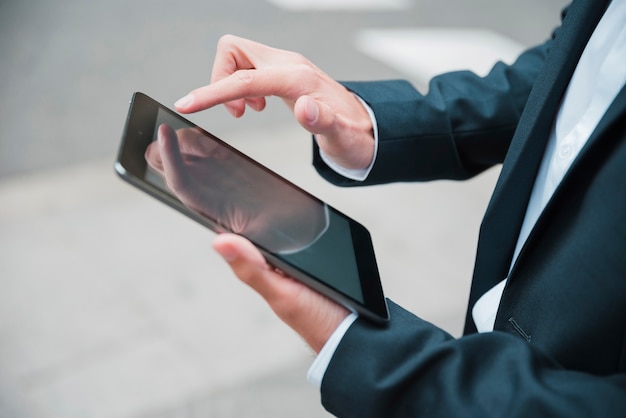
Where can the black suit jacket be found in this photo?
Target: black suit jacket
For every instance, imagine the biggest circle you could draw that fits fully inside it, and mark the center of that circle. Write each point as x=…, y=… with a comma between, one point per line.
x=559, y=345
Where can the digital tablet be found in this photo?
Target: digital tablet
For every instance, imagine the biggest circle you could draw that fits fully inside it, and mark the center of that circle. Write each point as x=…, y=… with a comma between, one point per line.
x=201, y=176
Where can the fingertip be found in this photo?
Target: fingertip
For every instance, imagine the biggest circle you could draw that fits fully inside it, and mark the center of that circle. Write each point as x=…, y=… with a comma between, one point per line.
x=221, y=239
x=256, y=103
x=307, y=111
x=225, y=250
x=236, y=108
x=184, y=103
x=312, y=111
x=229, y=246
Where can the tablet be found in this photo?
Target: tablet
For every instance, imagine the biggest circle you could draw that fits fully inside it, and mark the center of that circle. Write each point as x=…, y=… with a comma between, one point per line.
x=204, y=178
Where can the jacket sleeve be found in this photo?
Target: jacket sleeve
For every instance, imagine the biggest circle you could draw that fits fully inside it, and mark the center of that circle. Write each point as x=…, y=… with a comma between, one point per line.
x=462, y=126
x=411, y=368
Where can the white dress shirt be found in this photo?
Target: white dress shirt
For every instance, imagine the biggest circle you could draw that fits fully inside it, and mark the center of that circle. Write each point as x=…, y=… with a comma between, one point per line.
x=598, y=77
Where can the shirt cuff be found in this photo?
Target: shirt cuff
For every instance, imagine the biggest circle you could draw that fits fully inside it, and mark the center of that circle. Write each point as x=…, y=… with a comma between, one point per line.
x=362, y=173
x=319, y=366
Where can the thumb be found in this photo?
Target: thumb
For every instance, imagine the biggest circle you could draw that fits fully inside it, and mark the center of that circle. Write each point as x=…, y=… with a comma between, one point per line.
x=314, y=116
x=346, y=142
x=313, y=316
x=250, y=267
x=245, y=260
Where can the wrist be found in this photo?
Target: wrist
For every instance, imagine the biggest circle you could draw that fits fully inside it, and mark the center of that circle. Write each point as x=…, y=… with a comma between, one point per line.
x=333, y=318
x=317, y=370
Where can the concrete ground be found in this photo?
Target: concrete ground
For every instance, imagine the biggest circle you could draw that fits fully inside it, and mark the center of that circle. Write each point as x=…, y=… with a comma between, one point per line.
x=111, y=304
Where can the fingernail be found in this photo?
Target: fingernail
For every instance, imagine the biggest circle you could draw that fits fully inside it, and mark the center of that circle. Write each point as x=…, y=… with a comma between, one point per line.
x=184, y=101
x=311, y=110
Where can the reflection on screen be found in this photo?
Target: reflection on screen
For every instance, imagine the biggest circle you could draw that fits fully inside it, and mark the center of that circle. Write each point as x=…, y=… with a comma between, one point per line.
x=241, y=197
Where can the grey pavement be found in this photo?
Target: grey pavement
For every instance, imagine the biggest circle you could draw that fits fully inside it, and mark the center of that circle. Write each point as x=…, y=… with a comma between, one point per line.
x=112, y=305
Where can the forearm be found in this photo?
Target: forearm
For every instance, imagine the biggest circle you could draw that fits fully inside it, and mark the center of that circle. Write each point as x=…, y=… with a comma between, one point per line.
x=412, y=368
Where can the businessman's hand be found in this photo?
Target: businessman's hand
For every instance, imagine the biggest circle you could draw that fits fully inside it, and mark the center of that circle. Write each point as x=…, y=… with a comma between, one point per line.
x=307, y=312
x=246, y=72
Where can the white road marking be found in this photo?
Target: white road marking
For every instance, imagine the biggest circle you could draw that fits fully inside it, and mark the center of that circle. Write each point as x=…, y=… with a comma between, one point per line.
x=303, y=5
x=424, y=53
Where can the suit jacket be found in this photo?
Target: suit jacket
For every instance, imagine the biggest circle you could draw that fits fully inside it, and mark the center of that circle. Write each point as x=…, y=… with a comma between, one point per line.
x=559, y=345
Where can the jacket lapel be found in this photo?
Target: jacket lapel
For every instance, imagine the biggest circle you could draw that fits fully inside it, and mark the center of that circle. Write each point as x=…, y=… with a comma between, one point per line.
x=506, y=210
x=600, y=142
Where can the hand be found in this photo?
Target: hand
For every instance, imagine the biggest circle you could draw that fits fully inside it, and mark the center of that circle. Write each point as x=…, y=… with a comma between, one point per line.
x=245, y=72
x=313, y=316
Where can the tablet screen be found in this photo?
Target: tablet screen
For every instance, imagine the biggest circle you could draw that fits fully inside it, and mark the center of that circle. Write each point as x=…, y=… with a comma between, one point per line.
x=208, y=180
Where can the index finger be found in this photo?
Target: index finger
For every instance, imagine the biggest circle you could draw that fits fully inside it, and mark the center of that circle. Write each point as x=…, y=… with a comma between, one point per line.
x=243, y=84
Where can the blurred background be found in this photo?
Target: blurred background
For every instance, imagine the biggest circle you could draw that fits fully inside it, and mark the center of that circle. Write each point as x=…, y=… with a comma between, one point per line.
x=111, y=304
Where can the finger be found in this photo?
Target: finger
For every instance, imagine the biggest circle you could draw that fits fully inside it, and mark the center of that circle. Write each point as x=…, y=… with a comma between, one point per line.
x=348, y=141
x=235, y=53
x=237, y=108
x=252, y=85
x=256, y=103
x=173, y=165
x=250, y=267
x=316, y=117
x=310, y=314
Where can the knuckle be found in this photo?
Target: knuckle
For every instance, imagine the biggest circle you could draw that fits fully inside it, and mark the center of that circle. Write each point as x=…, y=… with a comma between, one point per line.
x=246, y=77
x=308, y=76
x=305, y=69
x=226, y=40
x=297, y=58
